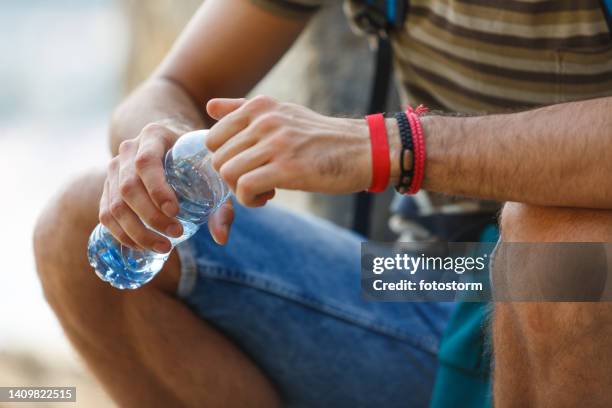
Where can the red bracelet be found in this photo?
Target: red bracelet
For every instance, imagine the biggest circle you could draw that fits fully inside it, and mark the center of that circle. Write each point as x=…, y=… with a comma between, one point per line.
x=381, y=163
x=419, y=147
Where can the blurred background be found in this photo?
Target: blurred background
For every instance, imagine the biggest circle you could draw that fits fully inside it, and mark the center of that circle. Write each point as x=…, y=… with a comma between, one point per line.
x=64, y=65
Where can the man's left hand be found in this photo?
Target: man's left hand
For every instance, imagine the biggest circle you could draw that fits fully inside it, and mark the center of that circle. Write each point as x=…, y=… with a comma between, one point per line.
x=261, y=144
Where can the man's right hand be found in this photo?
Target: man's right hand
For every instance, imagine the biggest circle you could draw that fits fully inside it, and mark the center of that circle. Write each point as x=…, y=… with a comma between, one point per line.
x=136, y=192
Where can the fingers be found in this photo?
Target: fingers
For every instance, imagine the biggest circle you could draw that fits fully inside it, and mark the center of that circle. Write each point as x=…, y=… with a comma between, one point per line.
x=236, y=120
x=232, y=124
x=244, y=162
x=156, y=140
x=256, y=187
x=235, y=138
x=219, y=107
x=109, y=222
x=129, y=222
x=262, y=199
x=219, y=223
x=233, y=121
x=232, y=147
x=135, y=195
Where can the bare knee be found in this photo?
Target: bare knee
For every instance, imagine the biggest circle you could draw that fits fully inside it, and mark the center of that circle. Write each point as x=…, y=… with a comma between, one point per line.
x=556, y=272
x=60, y=246
x=528, y=223
x=61, y=232
x=575, y=269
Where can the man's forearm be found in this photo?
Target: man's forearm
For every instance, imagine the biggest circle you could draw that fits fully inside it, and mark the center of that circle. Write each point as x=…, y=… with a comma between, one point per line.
x=559, y=155
x=157, y=101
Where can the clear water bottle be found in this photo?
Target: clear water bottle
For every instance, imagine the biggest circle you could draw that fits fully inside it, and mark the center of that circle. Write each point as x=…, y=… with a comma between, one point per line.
x=199, y=190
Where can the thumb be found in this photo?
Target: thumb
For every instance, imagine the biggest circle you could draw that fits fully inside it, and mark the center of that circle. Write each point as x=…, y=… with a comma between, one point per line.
x=219, y=107
x=220, y=222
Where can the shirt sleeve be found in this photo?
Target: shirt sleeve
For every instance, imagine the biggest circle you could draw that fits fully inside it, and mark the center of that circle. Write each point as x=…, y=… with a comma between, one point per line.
x=290, y=8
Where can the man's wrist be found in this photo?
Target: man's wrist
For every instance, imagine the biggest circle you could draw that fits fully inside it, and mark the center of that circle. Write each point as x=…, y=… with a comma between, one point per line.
x=442, y=161
x=177, y=125
x=157, y=101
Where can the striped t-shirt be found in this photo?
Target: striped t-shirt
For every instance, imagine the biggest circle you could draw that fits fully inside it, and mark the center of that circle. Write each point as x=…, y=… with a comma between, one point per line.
x=494, y=55
x=486, y=56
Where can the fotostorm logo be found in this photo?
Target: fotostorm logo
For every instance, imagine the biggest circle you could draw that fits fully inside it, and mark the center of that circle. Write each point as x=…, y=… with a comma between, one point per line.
x=435, y=271
x=412, y=264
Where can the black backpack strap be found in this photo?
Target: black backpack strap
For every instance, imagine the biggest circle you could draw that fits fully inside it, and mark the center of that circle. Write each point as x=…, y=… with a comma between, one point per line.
x=381, y=17
x=362, y=213
x=382, y=76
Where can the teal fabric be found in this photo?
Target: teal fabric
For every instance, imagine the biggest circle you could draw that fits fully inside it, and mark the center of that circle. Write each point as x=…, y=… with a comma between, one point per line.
x=463, y=377
x=464, y=372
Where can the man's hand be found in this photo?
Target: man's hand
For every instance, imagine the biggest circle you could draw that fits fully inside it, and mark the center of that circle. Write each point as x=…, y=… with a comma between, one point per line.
x=136, y=193
x=261, y=144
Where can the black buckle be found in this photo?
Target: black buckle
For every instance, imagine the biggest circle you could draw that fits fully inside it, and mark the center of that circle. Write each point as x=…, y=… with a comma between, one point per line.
x=382, y=16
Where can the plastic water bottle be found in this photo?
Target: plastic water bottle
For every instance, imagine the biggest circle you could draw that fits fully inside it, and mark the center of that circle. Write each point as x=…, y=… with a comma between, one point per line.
x=199, y=190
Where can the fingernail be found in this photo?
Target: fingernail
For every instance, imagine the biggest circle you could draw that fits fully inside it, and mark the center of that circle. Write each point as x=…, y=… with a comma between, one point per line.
x=174, y=230
x=161, y=247
x=169, y=208
x=226, y=228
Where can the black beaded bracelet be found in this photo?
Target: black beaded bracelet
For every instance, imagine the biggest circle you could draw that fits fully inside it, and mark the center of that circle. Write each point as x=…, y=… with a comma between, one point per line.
x=406, y=173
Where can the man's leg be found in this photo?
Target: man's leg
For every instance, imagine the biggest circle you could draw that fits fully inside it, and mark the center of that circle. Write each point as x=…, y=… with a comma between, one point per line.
x=145, y=346
x=553, y=354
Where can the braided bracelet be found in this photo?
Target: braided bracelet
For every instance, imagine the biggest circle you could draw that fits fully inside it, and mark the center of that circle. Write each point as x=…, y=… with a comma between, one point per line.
x=419, y=147
x=406, y=153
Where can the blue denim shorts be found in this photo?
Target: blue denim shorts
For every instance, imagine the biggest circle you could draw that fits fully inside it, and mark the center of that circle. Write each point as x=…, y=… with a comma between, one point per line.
x=286, y=290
